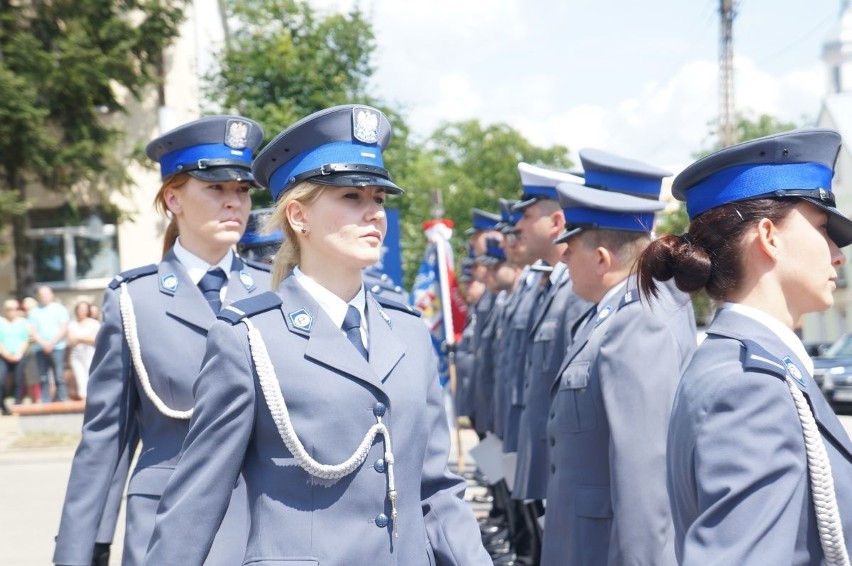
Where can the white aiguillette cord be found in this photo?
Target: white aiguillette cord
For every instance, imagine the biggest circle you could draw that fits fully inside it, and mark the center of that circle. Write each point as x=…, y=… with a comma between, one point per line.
x=822, y=484
x=281, y=416
x=128, y=320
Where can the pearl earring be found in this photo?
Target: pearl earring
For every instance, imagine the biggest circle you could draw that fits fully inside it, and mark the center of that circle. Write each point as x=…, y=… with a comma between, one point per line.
x=304, y=230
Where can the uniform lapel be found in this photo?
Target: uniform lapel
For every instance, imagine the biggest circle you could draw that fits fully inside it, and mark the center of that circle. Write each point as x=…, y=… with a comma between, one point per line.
x=240, y=282
x=584, y=333
x=327, y=345
x=386, y=349
x=544, y=305
x=187, y=304
x=728, y=323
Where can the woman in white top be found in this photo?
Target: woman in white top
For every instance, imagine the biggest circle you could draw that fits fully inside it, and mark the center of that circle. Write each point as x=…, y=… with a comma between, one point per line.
x=82, y=330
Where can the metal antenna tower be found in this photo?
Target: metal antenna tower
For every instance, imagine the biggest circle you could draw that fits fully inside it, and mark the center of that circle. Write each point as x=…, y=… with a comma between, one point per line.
x=726, y=74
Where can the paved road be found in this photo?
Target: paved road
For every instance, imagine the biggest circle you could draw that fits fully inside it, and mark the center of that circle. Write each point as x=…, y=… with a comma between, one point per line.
x=32, y=487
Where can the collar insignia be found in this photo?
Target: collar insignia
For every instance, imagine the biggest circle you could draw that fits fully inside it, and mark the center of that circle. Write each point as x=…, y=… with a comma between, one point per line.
x=301, y=320
x=169, y=282
x=247, y=280
x=605, y=312
x=794, y=371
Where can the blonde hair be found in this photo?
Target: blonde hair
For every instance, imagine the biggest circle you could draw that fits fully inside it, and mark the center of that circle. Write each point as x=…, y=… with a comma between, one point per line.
x=289, y=254
x=175, y=181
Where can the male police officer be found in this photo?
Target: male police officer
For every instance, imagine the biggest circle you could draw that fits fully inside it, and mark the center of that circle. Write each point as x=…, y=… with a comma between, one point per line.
x=612, y=396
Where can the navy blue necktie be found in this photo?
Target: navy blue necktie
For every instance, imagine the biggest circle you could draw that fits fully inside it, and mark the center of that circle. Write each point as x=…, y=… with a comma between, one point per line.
x=211, y=285
x=352, y=327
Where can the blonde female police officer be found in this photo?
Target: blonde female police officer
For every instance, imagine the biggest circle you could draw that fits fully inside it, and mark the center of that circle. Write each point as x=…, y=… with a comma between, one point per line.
x=323, y=395
x=149, y=350
x=759, y=466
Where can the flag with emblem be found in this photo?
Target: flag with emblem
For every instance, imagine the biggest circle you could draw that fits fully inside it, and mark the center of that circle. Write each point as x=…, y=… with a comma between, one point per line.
x=436, y=293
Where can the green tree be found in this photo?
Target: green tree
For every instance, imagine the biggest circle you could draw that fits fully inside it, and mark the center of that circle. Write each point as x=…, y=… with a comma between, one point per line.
x=676, y=220
x=60, y=65
x=472, y=165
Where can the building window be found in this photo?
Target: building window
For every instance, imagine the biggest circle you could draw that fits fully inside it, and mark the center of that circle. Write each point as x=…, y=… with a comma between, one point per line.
x=81, y=252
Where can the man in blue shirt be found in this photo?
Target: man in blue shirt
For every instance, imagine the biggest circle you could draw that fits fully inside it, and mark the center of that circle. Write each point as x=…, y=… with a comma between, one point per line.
x=49, y=326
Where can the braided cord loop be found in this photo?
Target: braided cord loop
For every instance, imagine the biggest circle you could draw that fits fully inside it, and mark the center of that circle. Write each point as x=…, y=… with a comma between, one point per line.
x=128, y=320
x=822, y=485
x=274, y=397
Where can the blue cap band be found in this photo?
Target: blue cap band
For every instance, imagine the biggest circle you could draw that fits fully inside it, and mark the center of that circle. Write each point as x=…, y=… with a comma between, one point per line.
x=255, y=239
x=481, y=223
x=539, y=191
x=604, y=219
x=336, y=152
x=752, y=181
x=177, y=161
x=624, y=183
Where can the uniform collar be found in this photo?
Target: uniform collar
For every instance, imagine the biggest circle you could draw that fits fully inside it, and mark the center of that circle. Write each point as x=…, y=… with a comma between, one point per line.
x=787, y=336
x=197, y=267
x=610, y=297
x=334, y=306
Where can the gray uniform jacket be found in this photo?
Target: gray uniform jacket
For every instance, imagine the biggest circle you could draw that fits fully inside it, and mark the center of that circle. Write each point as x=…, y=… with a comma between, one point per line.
x=518, y=330
x=606, y=499
x=172, y=322
x=549, y=338
x=464, y=367
x=484, y=367
x=333, y=396
x=480, y=314
x=738, y=475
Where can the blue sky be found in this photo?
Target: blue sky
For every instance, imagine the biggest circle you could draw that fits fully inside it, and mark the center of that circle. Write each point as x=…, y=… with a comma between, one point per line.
x=635, y=78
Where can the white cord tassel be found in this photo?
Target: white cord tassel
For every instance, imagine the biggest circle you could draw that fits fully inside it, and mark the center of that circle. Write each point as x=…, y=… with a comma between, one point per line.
x=128, y=320
x=280, y=415
x=822, y=485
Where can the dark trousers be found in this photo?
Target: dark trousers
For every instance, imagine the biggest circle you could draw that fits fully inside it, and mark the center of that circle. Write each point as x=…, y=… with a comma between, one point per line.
x=12, y=379
x=55, y=362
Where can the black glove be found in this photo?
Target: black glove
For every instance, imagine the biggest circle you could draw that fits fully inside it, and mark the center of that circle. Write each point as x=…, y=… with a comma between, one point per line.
x=101, y=555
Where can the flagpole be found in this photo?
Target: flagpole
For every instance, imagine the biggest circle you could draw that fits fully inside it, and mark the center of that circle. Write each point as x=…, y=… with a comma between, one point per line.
x=447, y=315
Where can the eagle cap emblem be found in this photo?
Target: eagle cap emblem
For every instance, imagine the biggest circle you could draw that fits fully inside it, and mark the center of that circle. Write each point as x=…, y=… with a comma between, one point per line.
x=365, y=125
x=236, y=134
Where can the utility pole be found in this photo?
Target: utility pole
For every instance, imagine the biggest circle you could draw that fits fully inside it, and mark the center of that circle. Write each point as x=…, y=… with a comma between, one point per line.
x=726, y=74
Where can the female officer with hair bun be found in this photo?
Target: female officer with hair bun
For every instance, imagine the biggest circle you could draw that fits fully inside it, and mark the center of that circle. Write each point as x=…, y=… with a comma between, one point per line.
x=323, y=395
x=759, y=466
x=149, y=349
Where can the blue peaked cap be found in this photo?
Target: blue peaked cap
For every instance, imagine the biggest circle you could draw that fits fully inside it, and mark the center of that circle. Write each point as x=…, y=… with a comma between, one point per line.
x=214, y=148
x=494, y=252
x=339, y=146
x=539, y=183
x=795, y=164
x=610, y=172
x=253, y=235
x=482, y=220
x=618, y=194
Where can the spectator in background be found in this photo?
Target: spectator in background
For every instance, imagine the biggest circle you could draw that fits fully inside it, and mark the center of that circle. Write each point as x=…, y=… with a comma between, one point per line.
x=81, y=341
x=14, y=340
x=95, y=312
x=49, y=329
x=32, y=387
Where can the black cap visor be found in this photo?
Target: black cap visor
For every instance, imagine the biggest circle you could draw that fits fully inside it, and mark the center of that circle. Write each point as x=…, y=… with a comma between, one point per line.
x=571, y=230
x=223, y=174
x=839, y=227
x=357, y=179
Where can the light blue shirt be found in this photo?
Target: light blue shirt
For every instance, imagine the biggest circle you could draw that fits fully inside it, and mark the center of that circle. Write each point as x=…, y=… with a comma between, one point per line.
x=334, y=306
x=47, y=323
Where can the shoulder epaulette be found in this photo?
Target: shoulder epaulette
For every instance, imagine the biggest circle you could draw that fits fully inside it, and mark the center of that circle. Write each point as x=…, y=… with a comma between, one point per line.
x=631, y=296
x=250, y=306
x=259, y=265
x=387, y=303
x=131, y=274
x=756, y=358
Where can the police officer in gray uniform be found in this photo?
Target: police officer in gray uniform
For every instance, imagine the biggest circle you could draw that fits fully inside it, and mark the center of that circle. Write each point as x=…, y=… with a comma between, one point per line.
x=556, y=311
x=759, y=466
x=150, y=347
x=323, y=395
x=484, y=226
x=606, y=499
